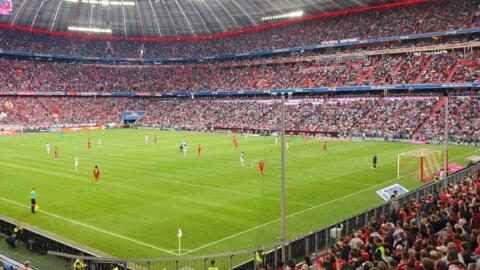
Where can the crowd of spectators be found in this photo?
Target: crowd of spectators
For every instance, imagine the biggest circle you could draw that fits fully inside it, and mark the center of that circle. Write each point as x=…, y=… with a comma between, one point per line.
x=463, y=124
x=420, y=18
x=442, y=67
x=9, y=266
x=393, y=117
x=436, y=232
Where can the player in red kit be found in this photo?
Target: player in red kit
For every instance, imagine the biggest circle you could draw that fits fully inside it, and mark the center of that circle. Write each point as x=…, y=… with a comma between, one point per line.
x=96, y=173
x=55, y=153
x=261, y=166
x=199, y=150
x=305, y=139
x=325, y=147
x=89, y=144
x=235, y=142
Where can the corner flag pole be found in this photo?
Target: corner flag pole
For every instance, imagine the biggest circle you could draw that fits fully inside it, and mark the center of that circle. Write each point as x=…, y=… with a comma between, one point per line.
x=283, y=226
x=179, y=235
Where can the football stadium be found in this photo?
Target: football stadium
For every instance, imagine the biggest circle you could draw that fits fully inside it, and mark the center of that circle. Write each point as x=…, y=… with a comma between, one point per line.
x=240, y=134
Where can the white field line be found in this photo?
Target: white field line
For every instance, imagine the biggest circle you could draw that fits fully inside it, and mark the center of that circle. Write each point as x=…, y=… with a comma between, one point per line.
x=217, y=241
x=92, y=227
x=306, y=210
x=73, y=176
x=288, y=216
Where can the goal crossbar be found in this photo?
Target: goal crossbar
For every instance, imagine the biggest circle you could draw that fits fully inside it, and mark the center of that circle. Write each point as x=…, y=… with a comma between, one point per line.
x=428, y=158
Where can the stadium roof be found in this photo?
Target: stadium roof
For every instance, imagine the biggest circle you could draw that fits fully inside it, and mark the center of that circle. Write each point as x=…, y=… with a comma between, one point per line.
x=169, y=18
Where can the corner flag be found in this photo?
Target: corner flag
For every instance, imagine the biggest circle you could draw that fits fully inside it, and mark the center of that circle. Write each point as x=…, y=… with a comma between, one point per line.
x=179, y=240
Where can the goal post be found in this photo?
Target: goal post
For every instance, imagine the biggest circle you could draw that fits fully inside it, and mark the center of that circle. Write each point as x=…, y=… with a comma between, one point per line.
x=421, y=163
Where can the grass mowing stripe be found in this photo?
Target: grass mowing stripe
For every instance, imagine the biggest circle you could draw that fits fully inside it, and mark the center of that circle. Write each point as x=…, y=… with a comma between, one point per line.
x=239, y=193
x=92, y=227
x=308, y=209
x=288, y=216
x=83, y=179
x=137, y=197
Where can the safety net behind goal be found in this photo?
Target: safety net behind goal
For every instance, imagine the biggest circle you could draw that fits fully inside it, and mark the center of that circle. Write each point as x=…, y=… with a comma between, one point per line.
x=421, y=164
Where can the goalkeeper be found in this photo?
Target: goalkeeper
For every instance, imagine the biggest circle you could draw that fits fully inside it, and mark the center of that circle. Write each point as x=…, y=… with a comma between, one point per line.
x=374, y=161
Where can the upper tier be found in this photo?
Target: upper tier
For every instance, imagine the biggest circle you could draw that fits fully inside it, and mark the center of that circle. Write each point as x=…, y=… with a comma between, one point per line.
x=420, y=18
x=402, y=69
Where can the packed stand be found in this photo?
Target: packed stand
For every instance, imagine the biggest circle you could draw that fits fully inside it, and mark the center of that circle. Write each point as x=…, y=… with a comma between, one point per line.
x=463, y=124
x=436, y=232
x=419, y=18
x=446, y=67
x=392, y=117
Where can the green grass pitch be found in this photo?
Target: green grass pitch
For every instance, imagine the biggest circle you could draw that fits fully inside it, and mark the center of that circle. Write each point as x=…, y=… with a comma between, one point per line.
x=149, y=191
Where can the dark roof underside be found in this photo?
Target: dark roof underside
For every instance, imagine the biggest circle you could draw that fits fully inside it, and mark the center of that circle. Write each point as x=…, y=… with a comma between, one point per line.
x=166, y=18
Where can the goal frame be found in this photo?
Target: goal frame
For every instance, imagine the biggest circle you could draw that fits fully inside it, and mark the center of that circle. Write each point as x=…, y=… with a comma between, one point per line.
x=421, y=154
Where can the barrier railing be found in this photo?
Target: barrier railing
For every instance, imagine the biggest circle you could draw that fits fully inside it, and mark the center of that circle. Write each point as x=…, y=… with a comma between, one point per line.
x=296, y=249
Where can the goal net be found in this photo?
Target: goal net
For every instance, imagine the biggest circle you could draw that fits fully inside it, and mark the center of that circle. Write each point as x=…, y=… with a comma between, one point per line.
x=421, y=164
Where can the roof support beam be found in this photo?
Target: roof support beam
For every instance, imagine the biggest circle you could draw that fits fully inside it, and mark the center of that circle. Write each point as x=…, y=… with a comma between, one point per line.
x=186, y=18
x=124, y=21
x=36, y=14
x=56, y=13
x=244, y=12
x=272, y=4
x=140, y=18
x=215, y=16
x=228, y=13
x=171, y=19
x=18, y=12
x=155, y=16
x=201, y=18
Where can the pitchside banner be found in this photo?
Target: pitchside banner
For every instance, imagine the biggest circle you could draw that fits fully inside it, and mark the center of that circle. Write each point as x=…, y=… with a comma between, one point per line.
x=133, y=116
x=387, y=192
x=5, y=7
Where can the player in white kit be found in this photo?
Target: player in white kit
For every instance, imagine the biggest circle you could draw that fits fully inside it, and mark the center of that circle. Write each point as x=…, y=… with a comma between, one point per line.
x=47, y=148
x=242, y=159
x=184, y=149
x=75, y=164
x=145, y=139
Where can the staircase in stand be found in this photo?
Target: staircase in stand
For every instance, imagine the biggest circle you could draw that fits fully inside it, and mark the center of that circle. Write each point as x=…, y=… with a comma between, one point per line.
x=362, y=75
x=394, y=71
x=422, y=72
x=451, y=73
x=422, y=20
x=109, y=49
x=434, y=110
x=369, y=113
x=470, y=21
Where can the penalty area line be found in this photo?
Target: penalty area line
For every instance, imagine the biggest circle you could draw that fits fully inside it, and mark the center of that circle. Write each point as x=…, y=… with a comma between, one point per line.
x=288, y=216
x=310, y=208
x=92, y=227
